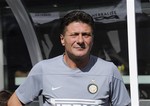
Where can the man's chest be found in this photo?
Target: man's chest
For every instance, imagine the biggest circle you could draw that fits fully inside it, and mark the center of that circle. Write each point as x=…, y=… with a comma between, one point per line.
x=76, y=87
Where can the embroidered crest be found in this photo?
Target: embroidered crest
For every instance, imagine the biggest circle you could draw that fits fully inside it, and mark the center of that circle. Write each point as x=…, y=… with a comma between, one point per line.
x=92, y=88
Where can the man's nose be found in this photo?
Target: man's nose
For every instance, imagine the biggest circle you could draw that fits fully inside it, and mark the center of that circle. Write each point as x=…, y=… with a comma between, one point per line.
x=80, y=38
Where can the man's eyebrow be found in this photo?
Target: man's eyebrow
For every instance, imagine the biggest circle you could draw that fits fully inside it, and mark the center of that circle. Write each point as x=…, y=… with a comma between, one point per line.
x=81, y=33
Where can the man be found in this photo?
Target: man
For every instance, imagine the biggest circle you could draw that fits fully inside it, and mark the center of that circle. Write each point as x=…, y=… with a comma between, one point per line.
x=75, y=78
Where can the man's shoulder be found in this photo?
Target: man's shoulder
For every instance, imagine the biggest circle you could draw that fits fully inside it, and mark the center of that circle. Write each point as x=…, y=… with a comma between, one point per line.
x=101, y=61
x=46, y=65
x=104, y=67
x=52, y=60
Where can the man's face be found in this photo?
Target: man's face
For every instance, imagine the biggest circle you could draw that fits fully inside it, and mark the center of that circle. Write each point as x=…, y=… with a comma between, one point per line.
x=77, y=39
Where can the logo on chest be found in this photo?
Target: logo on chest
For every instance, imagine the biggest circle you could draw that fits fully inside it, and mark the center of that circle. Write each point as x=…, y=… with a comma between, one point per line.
x=92, y=87
x=55, y=88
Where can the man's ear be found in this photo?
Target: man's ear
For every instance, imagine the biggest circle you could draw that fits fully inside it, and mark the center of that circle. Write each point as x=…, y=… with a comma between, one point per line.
x=62, y=40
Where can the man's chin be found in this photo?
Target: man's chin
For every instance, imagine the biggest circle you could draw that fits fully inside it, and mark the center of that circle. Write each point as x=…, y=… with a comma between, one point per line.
x=80, y=57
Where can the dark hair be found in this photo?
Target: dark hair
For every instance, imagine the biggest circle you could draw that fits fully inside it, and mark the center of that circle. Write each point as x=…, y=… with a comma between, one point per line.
x=77, y=16
x=4, y=96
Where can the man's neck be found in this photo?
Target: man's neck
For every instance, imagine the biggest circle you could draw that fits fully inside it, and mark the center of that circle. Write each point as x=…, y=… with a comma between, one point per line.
x=76, y=63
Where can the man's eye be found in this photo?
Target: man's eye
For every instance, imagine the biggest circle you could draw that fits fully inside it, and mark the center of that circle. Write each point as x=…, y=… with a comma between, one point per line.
x=83, y=34
x=75, y=34
x=86, y=34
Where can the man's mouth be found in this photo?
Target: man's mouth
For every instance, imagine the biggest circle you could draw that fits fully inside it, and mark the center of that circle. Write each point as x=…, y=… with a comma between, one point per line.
x=80, y=48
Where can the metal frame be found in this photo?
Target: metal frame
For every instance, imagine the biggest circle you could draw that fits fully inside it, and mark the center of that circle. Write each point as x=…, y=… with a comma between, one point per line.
x=1, y=58
x=28, y=32
x=132, y=52
x=27, y=29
